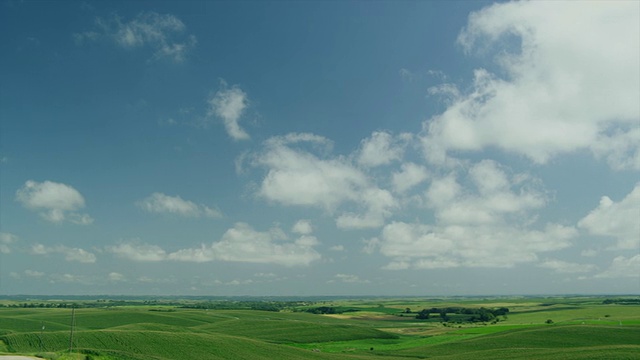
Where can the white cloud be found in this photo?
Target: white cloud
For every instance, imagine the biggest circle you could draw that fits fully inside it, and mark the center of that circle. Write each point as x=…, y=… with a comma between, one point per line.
x=564, y=267
x=622, y=267
x=39, y=249
x=498, y=197
x=68, y=278
x=620, y=148
x=165, y=280
x=378, y=204
x=298, y=177
x=486, y=223
x=370, y=245
x=161, y=203
x=295, y=138
x=238, y=244
x=80, y=219
x=564, y=87
x=348, y=278
x=619, y=220
x=55, y=201
x=6, y=239
x=115, y=277
x=443, y=190
x=70, y=254
x=265, y=275
x=138, y=252
x=589, y=253
x=236, y=282
x=202, y=254
x=243, y=244
x=303, y=227
x=229, y=104
x=381, y=149
x=79, y=255
x=164, y=34
x=337, y=248
x=33, y=273
x=410, y=175
x=426, y=247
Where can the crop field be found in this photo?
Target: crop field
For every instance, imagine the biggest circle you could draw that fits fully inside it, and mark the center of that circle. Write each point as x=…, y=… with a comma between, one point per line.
x=449, y=328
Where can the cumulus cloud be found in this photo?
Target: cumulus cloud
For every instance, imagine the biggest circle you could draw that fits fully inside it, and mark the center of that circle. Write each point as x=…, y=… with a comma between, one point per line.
x=565, y=267
x=589, y=253
x=378, y=205
x=563, y=84
x=69, y=278
x=6, y=239
x=381, y=148
x=229, y=104
x=348, y=278
x=337, y=248
x=618, y=220
x=622, y=267
x=164, y=34
x=161, y=203
x=56, y=202
x=489, y=222
x=409, y=176
x=238, y=244
x=619, y=148
x=79, y=255
x=427, y=247
x=303, y=227
x=297, y=176
x=498, y=197
x=33, y=273
x=138, y=252
x=243, y=244
x=70, y=254
x=115, y=277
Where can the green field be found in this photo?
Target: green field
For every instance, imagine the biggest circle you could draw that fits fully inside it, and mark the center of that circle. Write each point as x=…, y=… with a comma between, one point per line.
x=541, y=328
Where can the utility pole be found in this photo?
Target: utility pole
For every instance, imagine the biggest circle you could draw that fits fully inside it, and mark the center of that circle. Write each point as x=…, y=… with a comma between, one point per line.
x=41, y=331
x=73, y=321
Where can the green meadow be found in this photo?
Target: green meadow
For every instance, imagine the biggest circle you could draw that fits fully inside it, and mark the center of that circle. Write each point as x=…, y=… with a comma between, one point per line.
x=450, y=328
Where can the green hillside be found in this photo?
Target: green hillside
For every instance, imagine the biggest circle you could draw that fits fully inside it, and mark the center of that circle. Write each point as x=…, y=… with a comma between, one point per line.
x=551, y=342
x=371, y=329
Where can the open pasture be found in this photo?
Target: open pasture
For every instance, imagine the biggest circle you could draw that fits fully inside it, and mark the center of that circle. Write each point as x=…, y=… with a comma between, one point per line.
x=545, y=328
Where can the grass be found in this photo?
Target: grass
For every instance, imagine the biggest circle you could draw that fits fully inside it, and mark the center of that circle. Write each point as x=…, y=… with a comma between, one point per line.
x=552, y=342
x=583, y=328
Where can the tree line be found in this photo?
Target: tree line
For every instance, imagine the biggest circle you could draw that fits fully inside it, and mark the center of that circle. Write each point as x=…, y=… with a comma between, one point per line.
x=462, y=314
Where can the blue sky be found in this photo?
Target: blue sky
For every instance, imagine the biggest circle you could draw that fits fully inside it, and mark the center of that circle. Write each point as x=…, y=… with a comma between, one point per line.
x=319, y=148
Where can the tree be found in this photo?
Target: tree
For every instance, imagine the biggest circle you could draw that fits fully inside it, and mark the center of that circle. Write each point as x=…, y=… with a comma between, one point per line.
x=423, y=314
x=443, y=315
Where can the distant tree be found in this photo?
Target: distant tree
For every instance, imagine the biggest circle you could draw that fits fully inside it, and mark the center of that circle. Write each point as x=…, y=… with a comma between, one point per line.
x=423, y=314
x=443, y=315
x=485, y=315
x=501, y=311
x=407, y=311
x=549, y=321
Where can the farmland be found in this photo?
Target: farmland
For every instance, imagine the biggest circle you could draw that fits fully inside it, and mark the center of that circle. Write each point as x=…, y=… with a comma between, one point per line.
x=379, y=328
